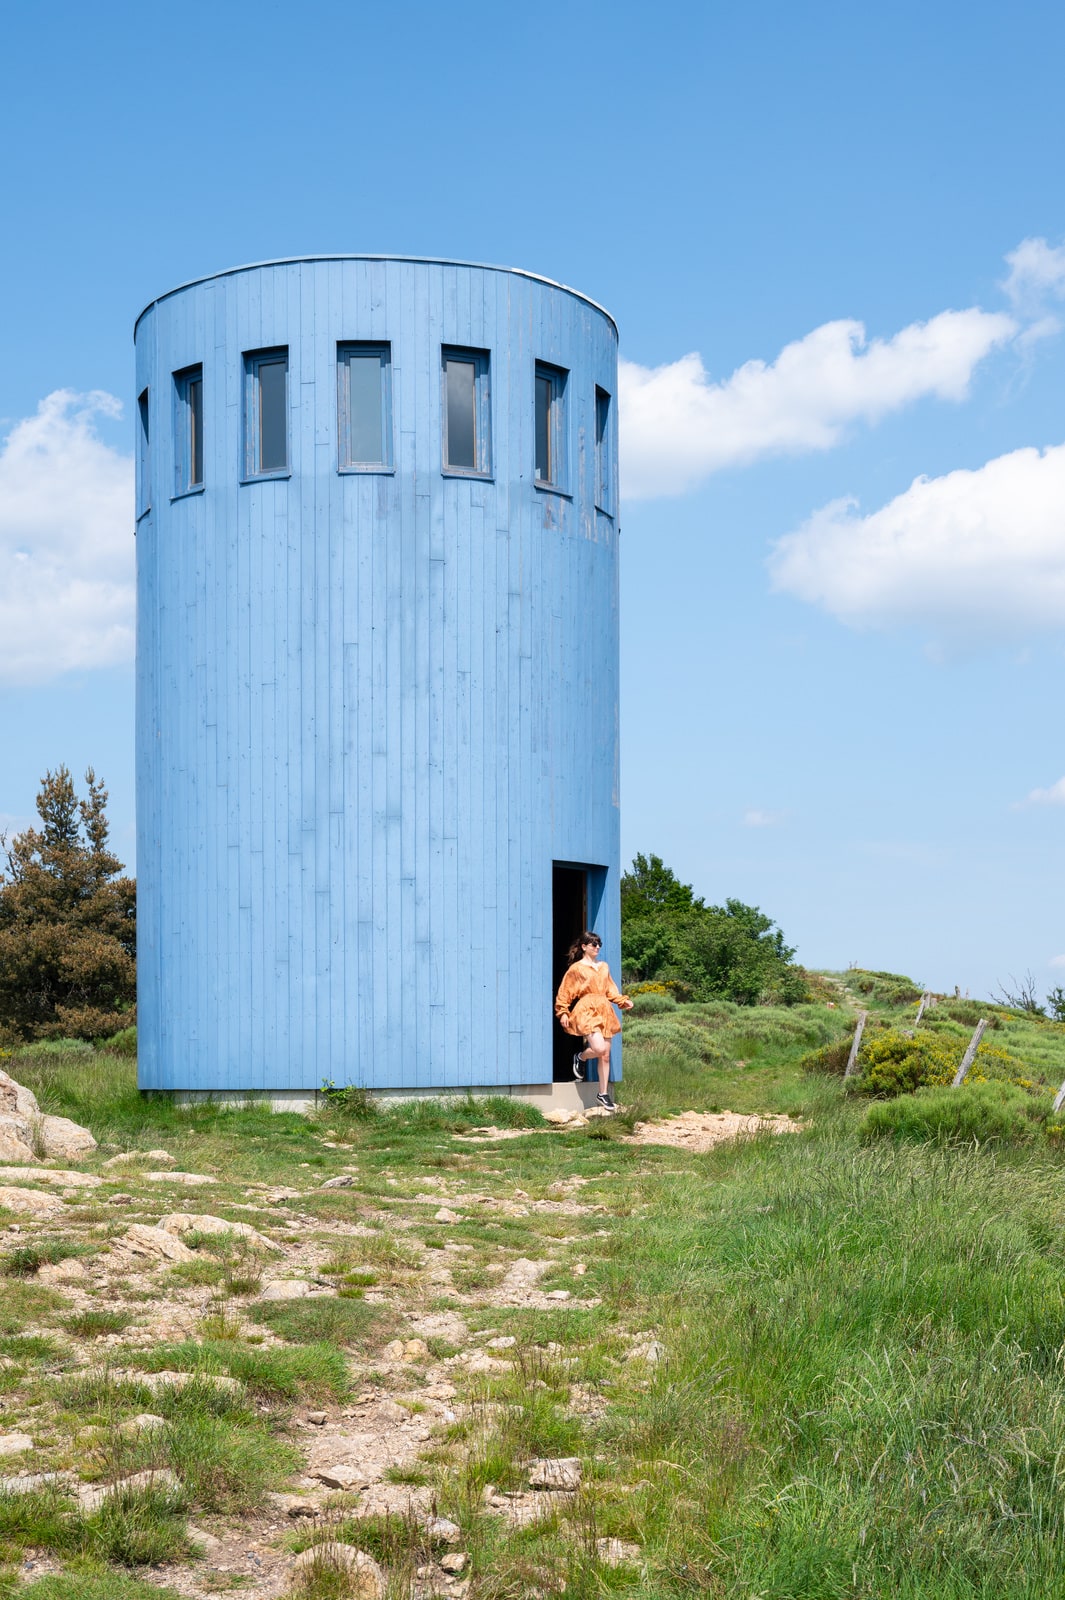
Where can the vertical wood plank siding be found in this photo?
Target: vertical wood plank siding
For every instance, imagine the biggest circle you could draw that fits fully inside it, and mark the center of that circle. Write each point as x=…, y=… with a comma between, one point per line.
x=372, y=708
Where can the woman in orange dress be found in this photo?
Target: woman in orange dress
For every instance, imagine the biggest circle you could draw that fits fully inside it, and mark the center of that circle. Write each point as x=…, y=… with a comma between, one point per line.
x=585, y=1005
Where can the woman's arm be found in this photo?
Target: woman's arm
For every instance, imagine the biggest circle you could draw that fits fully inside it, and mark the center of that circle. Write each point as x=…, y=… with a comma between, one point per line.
x=614, y=994
x=569, y=990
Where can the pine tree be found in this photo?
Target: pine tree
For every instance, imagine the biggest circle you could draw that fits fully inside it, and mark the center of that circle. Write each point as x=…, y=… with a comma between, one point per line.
x=67, y=921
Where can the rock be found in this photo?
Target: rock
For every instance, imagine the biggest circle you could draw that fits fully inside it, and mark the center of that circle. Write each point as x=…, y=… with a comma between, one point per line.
x=294, y=1505
x=70, y=1271
x=17, y=1101
x=441, y=1530
x=13, y=1444
x=614, y=1552
x=285, y=1289
x=317, y=1419
x=146, y=1421
x=651, y=1351
x=92, y=1496
x=503, y=1341
x=16, y=1139
x=177, y=1380
x=365, y=1580
x=444, y=1215
x=559, y=1117
x=579, y=1269
x=558, y=1294
x=406, y=1350
x=193, y=1222
x=64, y=1140
x=477, y=1361
x=345, y=1181
x=67, y=1180
x=30, y=1202
x=120, y=1199
x=144, y=1246
x=129, y=1158
x=30, y=1482
x=565, y=1473
x=207, y=1542
x=189, y=1178
x=454, y=1562
x=340, y=1476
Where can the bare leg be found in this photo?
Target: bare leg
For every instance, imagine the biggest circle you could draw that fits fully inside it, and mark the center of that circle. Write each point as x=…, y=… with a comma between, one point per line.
x=599, y=1048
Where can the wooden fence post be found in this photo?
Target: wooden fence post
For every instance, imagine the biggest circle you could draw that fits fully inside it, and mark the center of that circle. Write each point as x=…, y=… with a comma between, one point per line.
x=970, y=1053
x=1059, y=1099
x=852, y=1059
x=920, y=1010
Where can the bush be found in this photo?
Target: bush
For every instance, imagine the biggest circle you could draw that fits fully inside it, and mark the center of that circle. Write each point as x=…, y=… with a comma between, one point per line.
x=990, y=1112
x=893, y=1063
x=123, y=1043
x=646, y=1003
x=889, y=988
x=831, y=1058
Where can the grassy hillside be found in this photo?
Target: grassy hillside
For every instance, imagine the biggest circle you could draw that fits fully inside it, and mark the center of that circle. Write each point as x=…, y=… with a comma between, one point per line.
x=798, y=1368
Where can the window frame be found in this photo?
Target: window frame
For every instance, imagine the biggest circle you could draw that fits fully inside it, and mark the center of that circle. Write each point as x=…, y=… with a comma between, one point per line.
x=603, y=422
x=185, y=431
x=346, y=348
x=144, y=453
x=557, y=440
x=480, y=360
x=254, y=361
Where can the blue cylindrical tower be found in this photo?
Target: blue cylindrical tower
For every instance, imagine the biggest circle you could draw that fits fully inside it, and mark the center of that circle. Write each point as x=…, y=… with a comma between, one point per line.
x=377, y=672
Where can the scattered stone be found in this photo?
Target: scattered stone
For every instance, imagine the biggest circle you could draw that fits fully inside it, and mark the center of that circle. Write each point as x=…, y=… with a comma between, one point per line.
x=558, y=1117
x=579, y=1269
x=180, y=1222
x=366, y=1581
x=295, y=1505
x=188, y=1178
x=652, y=1352
x=701, y=1130
x=444, y=1215
x=178, y=1380
x=66, y=1180
x=207, y=1542
x=455, y=1562
x=345, y=1181
x=70, y=1271
x=558, y=1294
x=564, y=1473
x=16, y=1139
x=406, y=1350
x=13, y=1444
x=120, y=1199
x=30, y=1202
x=285, y=1289
x=340, y=1476
x=441, y=1530
x=318, y=1419
x=129, y=1158
x=146, y=1421
x=143, y=1246
x=615, y=1552
x=29, y=1482
x=503, y=1341
x=478, y=1361
x=92, y=1496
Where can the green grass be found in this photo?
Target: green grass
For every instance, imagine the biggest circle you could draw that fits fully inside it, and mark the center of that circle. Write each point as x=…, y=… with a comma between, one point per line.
x=309, y=1372
x=341, y=1322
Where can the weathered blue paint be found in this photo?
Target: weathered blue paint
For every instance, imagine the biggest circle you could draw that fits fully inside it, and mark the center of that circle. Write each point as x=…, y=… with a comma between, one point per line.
x=372, y=707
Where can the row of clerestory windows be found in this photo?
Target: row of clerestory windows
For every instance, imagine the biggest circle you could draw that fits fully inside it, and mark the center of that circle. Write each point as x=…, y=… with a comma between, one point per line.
x=364, y=420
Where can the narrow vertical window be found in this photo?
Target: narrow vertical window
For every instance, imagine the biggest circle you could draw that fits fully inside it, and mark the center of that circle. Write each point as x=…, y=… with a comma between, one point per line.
x=144, y=460
x=550, y=429
x=364, y=407
x=188, y=430
x=604, y=463
x=466, y=412
x=266, y=413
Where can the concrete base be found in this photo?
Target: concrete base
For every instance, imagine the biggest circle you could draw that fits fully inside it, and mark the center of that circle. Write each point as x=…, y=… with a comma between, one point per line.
x=569, y=1096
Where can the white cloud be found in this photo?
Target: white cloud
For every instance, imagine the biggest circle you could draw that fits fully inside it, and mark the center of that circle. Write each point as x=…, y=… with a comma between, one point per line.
x=678, y=426
x=754, y=818
x=66, y=542
x=1054, y=796
x=1037, y=274
x=1056, y=961
x=976, y=552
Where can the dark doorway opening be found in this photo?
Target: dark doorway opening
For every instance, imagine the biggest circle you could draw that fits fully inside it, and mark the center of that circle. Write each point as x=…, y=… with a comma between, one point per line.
x=569, y=898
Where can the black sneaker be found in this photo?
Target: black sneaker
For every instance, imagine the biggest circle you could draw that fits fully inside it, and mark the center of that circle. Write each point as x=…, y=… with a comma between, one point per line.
x=578, y=1066
x=606, y=1101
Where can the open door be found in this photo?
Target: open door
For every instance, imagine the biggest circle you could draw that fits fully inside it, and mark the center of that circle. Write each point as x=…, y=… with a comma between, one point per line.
x=569, y=900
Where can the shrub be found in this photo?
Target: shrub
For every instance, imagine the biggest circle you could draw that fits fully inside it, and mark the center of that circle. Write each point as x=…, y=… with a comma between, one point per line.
x=646, y=1003
x=831, y=1058
x=893, y=1063
x=890, y=988
x=990, y=1112
x=123, y=1043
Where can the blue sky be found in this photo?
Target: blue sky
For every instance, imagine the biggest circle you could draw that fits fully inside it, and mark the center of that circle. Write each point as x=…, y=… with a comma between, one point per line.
x=858, y=728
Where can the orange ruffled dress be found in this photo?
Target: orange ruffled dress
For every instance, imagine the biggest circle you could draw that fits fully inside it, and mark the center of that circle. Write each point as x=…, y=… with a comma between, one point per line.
x=585, y=994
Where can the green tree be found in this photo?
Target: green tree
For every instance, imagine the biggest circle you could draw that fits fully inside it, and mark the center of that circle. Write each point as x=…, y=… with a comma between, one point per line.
x=730, y=952
x=67, y=921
